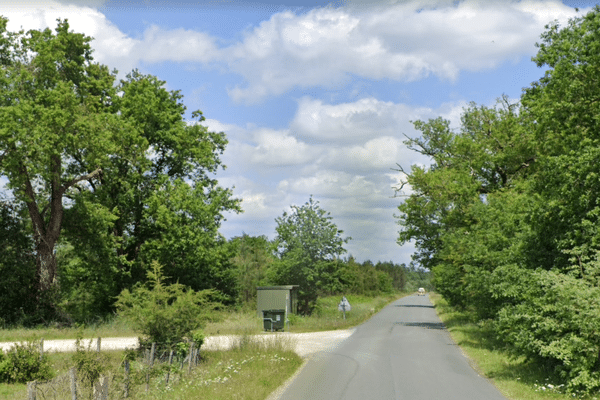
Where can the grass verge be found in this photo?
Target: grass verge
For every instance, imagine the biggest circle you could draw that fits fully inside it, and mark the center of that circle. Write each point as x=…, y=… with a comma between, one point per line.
x=114, y=327
x=516, y=378
x=326, y=316
x=251, y=370
x=229, y=322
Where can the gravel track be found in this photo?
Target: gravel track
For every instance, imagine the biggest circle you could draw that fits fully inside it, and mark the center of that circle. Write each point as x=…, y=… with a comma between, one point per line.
x=304, y=344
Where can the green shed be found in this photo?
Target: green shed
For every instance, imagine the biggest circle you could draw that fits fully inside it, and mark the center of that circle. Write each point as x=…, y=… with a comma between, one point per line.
x=277, y=298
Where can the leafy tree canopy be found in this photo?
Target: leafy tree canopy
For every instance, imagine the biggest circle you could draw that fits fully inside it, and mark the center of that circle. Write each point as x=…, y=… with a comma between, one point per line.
x=507, y=217
x=111, y=174
x=307, y=242
x=309, y=230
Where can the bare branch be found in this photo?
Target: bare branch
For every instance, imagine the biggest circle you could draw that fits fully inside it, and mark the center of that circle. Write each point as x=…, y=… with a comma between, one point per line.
x=399, y=169
x=87, y=177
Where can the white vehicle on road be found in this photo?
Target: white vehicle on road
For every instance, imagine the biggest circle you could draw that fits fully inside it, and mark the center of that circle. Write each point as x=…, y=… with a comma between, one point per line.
x=421, y=291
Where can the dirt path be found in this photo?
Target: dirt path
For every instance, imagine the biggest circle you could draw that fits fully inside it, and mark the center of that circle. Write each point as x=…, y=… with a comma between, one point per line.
x=304, y=344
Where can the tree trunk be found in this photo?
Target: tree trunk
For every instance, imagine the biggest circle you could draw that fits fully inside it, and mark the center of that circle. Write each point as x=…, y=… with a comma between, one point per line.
x=47, y=228
x=46, y=264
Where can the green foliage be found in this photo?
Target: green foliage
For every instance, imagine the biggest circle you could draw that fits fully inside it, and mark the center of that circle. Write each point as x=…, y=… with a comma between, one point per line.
x=507, y=215
x=57, y=131
x=555, y=322
x=156, y=200
x=90, y=364
x=307, y=242
x=309, y=230
x=17, y=267
x=165, y=314
x=138, y=177
x=253, y=257
x=24, y=363
x=366, y=278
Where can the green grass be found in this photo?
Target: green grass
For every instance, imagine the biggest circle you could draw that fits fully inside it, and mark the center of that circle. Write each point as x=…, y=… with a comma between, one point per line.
x=249, y=371
x=228, y=322
x=516, y=378
x=326, y=316
x=114, y=327
x=252, y=370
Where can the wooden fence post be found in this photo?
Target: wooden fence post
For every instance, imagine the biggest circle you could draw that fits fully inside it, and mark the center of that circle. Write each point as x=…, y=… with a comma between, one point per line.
x=73, y=384
x=101, y=389
x=31, y=390
x=191, y=357
x=126, y=391
x=41, y=348
x=152, y=354
x=98, y=344
x=169, y=370
x=150, y=365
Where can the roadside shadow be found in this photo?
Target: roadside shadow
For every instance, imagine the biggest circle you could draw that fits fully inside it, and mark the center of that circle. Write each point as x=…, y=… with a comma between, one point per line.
x=414, y=305
x=427, y=325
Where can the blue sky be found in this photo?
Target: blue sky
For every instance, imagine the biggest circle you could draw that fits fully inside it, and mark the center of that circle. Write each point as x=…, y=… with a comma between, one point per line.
x=316, y=97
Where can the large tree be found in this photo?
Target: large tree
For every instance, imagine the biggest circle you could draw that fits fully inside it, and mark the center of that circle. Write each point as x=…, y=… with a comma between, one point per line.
x=57, y=129
x=112, y=174
x=156, y=200
x=524, y=250
x=307, y=243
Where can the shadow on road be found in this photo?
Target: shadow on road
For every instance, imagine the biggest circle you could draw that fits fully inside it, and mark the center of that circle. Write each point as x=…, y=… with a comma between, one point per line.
x=427, y=325
x=413, y=305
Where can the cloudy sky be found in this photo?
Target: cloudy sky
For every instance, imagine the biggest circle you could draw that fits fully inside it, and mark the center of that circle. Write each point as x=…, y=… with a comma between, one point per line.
x=316, y=97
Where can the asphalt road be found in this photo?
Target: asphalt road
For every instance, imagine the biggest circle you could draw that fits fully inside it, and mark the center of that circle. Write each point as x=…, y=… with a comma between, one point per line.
x=403, y=352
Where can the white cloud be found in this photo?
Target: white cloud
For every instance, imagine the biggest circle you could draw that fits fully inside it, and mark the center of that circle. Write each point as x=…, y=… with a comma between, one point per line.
x=362, y=120
x=276, y=147
x=343, y=154
x=177, y=45
x=111, y=46
x=402, y=42
x=325, y=46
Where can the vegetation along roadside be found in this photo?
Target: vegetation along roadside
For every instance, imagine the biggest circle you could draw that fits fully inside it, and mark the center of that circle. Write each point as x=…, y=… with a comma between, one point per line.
x=250, y=370
x=516, y=377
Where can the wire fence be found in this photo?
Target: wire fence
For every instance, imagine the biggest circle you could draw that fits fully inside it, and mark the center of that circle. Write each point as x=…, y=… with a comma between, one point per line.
x=162, y=363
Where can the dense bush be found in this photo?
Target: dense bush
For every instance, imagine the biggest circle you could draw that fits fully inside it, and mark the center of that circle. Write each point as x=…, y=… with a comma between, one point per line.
x=556, y=321
x=507, y=216
x=24, y=363
x=165, y=314
x=90, y=364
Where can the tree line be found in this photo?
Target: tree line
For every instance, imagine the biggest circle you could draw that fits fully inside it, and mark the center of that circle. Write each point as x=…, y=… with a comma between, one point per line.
x=107, y=179
x=507, y=216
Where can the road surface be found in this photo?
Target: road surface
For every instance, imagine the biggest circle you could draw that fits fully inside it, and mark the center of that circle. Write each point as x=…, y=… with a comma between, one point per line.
x=403, y=352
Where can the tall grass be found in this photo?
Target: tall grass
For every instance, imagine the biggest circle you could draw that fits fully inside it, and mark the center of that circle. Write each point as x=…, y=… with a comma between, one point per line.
x=112, y=327
x=515, y=377
x=325, y=317
x=250, y=370
x=226, y=322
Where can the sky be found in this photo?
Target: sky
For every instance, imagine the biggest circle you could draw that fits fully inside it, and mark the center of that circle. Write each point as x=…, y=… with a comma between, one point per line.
x=317, y=97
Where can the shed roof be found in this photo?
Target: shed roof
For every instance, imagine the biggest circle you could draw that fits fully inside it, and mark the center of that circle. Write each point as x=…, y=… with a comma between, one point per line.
x=286, y=287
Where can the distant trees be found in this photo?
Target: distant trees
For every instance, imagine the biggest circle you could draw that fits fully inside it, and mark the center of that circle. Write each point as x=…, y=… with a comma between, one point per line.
x=307, y=243
x=507, y=216
x=253, y=257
